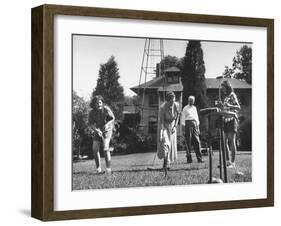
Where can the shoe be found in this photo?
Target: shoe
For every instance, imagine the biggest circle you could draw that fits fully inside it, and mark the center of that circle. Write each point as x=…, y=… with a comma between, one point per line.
x=108, y=170
x=188, y=159
x=168, y=165
x=231, y=166
x=228, y=164
x=98, y=170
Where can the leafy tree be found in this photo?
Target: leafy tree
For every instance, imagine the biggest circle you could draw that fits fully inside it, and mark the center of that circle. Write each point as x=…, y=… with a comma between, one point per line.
x=80, y=133
x=109, y=88
x=242, y=64
x=170, y=61
x=193, y=74
x=228, y=72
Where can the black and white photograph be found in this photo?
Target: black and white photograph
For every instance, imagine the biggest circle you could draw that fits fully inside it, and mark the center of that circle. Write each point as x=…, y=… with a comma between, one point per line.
x=140, y=112
x=160, y=112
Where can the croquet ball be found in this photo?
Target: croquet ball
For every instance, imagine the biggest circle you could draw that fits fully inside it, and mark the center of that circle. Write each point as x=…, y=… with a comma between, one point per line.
x=239, y=173
x=217, y=180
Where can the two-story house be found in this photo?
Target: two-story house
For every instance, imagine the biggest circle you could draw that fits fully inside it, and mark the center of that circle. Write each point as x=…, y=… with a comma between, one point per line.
x=152, y=95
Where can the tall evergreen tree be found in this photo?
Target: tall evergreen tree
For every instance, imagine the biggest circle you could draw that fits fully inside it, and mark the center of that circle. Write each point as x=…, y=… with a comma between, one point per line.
x=109, y=88
x=193, y=74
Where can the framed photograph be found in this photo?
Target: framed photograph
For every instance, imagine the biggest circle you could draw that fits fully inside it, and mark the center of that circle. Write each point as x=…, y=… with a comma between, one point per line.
x=142, y=112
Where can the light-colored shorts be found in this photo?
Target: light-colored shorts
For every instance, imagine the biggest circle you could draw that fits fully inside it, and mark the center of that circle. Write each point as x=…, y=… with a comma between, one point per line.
x=98, y=144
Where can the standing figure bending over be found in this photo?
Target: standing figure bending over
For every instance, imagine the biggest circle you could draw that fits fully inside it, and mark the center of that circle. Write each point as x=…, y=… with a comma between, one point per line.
x=101, y=123
x=168, y=120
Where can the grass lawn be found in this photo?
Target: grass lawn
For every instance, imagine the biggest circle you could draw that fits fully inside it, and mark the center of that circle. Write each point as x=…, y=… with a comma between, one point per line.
x=135, y=170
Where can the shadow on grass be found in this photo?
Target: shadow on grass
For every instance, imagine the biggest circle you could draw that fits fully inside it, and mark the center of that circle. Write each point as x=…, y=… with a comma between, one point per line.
x=178, y=169
x=88, y=173
x=148, y=169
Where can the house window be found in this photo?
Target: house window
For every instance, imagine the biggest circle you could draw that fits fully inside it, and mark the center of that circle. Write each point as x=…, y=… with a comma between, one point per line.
x=170, y=79
x=152, y=125
x=178, y=95
x=153, y=100
x=241, y=99
x=176, y=79
x=162, y=94
x=173, y=79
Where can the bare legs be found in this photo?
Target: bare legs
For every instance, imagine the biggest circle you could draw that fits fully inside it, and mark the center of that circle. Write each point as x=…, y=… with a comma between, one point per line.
x=231, y=146
x=96, y=151
x=107, y=159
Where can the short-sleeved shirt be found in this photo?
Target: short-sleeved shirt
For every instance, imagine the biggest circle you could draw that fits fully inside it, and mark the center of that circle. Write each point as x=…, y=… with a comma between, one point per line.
x=233, y=100
x=101, y=117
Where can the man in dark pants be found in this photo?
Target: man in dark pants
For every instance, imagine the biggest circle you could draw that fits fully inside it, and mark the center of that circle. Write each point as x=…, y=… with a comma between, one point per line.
x=190, y=123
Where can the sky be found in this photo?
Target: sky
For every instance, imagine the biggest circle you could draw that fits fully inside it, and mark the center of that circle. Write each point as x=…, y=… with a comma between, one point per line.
x=91, y=51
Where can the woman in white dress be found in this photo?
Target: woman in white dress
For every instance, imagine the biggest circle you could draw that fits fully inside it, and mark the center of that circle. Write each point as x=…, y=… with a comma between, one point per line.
x=168, y=120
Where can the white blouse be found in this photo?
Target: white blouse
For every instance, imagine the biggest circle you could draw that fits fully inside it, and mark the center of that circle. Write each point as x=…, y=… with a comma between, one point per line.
x=189, y=113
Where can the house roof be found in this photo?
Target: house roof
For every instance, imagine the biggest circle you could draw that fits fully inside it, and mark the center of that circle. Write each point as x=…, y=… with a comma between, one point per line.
x=172, y=69
x=213, y=83
x=171, y=87
x=160, y=84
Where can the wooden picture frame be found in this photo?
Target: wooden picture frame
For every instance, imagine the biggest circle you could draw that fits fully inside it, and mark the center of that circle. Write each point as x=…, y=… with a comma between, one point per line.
x=42, y=203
